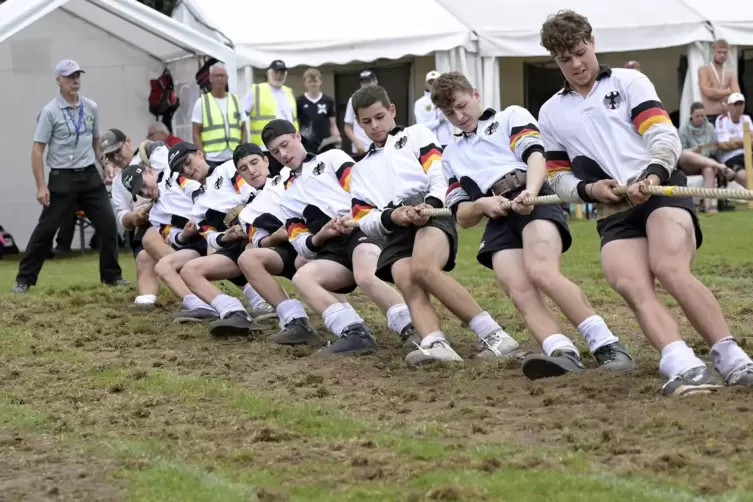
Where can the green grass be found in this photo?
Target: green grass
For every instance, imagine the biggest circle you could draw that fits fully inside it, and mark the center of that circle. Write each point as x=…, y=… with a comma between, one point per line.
x=103, y=401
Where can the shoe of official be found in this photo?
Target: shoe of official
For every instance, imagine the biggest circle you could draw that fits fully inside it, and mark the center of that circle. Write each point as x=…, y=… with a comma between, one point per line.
x=194, y=315
x=265, y=312
x=20, y=287
x=234, y=324
x=499, y=345
x=742, y=376
x=559, y=363
x=118, y=282
x=439, y=350
x=298, y=332
x=409, y=337
x=614, y=357
x=356, y=339
x=700, y=380
x=60, y=251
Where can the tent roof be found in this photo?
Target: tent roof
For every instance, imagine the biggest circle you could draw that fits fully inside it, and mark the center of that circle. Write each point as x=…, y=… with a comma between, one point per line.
x=732, y=22
x=512, y=29
x=129, y=20
x=328, y=31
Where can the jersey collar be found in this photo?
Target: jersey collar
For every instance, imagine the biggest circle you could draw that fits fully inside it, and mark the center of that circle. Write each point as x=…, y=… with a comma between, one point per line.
x=488, y=113
x=604, y=72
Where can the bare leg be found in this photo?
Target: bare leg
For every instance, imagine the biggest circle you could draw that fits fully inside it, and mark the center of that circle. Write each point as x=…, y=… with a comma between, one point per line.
x=197, y=275
x=422, y=312
x=168, y=269
x=315, y=281
x=259, y=265
x=147, y=282
x=365, y=258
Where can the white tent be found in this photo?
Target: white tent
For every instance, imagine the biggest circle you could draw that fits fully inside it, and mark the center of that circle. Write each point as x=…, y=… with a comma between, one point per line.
x=121, y=44
x=328, y=31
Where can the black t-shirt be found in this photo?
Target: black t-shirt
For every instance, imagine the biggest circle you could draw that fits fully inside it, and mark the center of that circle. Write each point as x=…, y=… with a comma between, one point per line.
x=313, y=118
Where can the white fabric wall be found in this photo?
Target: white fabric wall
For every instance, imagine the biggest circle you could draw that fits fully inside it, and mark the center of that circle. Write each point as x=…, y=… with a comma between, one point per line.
x=699, y=54
x=483, y=72
x=117, y=78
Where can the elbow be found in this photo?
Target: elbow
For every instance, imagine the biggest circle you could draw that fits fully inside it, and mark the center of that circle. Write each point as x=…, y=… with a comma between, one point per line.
x=464, y=221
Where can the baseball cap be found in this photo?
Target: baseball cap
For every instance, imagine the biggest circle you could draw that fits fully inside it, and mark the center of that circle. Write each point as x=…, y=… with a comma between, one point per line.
x=178, y=153
x=244, y=150
x=432, y=75
x=277, y=64
x=133, y=178
x=735, y=97
x=367, y=76
x=276, y=128
x=67, y=67
x=111, y=141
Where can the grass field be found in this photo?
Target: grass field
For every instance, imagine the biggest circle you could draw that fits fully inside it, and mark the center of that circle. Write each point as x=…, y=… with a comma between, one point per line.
x=102, y=401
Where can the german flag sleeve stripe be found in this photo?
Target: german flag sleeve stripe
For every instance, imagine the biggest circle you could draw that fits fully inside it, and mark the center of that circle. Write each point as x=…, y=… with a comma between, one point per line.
x=452, y=185
x=343, y=175
x=238, y=182
x=518, y=133
x=182, y=180
x=164, y=230
x=429, y=154
x=296, y=227
x=360, y=209
x=647, y=114
x=556, y=161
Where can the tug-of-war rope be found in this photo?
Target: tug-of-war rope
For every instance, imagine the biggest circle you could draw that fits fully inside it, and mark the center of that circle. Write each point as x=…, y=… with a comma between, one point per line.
x=666, y=191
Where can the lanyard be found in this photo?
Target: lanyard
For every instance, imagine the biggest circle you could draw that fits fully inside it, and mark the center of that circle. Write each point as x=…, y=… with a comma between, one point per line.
x=79, y=123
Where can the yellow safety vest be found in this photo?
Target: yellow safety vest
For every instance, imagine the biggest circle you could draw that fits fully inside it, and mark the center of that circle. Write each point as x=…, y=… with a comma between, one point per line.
x=265, y=110
x=213, y=135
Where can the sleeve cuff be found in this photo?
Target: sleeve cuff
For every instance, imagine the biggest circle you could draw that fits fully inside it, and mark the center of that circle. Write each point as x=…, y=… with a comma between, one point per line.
x=310, y=244
x=582, y=192
x=658, y=170
x=530, y=150
x=434, y=202
x=387, y=222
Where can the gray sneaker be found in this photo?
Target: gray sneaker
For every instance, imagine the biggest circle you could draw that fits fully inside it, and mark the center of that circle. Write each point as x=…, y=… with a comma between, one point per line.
x=614, y=357
x=298, y=332
x=742, y=376
x=499, y=345
x=265, y=313
x=356, y=339
x=195, y=315
x=234, y=324
x=20, y=287
x=698, y=380
x=559, y=363
x=409, y=337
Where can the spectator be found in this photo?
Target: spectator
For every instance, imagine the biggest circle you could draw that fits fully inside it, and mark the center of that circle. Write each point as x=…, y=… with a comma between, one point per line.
x=219, y=123
x=698, y=134
x=429, y=115
x=633, y=65
x=270, y=100
x=159, y=132
x=729, y=134
x=716, y=83
x=359, y=141
x=317, y=112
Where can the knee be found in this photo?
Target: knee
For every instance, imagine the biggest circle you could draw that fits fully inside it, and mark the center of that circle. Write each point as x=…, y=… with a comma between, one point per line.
x=144, y=262
x=164, y=267
x=423, y=273
x=523, y=295
x=190, y=271
x=634, y=290
x=542, y=274
x=669, y=271
x=301, y=279
x=365, y=279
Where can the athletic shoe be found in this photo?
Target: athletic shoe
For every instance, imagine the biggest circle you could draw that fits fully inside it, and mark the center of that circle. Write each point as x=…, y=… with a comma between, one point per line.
x=698, y=380
x=741, y=376
x=298, y=332
x=20, y=287
x=614, y=357
x=264, y=312
x=356, y=339
x=236, y=323
x=439, y=350
x=409, y=337
x=559, y=363
x=498, y=345
x=195, y=315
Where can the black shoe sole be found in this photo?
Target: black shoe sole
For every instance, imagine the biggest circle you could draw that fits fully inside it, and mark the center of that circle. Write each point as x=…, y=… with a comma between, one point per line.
x=312, y=342
x=359, y=352
x=536, y=369
x=222, y=331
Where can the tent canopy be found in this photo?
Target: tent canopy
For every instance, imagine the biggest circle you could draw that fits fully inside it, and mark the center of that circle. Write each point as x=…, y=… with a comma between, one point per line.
x=156, y=34
x=732, y=20
x=512, y=29
x=328, y=31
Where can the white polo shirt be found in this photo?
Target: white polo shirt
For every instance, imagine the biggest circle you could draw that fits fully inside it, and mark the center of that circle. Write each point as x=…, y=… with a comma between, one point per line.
x=350, y=118
x=262, y=216
x=500, y=144
x=174, y=205
x=432, y=117
x=727, y=130
x=619, y=130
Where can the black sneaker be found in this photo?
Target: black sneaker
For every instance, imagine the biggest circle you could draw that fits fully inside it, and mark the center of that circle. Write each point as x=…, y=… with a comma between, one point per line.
x=698, y=380
x=236, y=323
x=559, y=363
x=118, y=282
x=614, y=357
x=356, y=339
x=298, y=332
x=20, y=287
x=409, y=337
x=195, y=315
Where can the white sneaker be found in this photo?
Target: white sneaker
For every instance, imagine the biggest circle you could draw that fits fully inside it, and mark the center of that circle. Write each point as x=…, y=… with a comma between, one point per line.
x=499, y=345
x=437, y=351
x=263, y=313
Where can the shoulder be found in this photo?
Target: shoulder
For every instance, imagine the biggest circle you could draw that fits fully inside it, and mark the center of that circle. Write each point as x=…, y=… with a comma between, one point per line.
x=227, y=168
x=625, y=77
x=449, y=151
x=417, y=131
x=335, y=156
x=550, y=106
x=50, y=108
x=89, y=103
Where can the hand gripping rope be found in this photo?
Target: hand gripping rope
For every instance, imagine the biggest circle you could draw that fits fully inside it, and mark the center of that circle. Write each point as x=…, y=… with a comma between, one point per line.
x=666, y=191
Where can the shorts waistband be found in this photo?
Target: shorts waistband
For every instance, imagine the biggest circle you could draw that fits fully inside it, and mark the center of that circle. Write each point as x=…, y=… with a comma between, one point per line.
x=73, y=169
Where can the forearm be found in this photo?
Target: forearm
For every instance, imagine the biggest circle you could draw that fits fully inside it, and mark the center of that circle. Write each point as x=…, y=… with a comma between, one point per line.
x=469, y=214
x=37, y=168
x=98, y=151
x=568, y=187
x=275, y=239
x=664, y=148
x=536, y=173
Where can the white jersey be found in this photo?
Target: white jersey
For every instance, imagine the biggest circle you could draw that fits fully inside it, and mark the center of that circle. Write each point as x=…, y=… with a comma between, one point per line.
x=262, y=217
x=173, y=208
x=727, y=130
x=122, y=199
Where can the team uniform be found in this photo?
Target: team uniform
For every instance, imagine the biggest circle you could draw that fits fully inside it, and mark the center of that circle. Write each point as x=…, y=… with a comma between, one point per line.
x=619, y=131
x=726, y=130
x=172, y=210
x=407, y=170
x=319, y=193
x=492, y=160
x=123, y=200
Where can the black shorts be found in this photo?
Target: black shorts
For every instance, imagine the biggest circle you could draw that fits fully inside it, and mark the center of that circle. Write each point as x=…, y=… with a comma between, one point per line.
x=507, y=233
x=632, y=223
x=737, y=163
x=340, y=250
x=285, y=250
x=135, y=239
x=199, y=245
x=234, y=251
x=399, y=245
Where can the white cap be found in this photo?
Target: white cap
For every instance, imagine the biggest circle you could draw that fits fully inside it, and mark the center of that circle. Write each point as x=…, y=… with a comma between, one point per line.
x=432, y=75
x=735, y=97
x=66, y=68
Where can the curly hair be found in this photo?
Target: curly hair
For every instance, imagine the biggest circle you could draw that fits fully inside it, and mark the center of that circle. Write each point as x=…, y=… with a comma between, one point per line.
x=445, y=86
x=563, y=31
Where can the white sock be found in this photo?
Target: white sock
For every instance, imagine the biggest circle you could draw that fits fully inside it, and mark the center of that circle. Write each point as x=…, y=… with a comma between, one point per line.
x=194, y=302
x=224, y=304
x=337, y=317
x=288, y=310
x=484, y=325
x=145, y=299
x=254, y=299
x=434, y=336
x=348, y=306
x=677, y=358
x=398, y=317
x=727, y=356
x=559, y=342
x=596, y=333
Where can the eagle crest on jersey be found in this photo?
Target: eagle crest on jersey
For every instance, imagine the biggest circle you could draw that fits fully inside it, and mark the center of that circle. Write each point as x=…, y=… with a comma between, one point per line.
x=612, y=100
x=275, y=180
x=492, y=128
x=319, y=169
x=401, y=142
x=218, y=183
x=197, y=192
